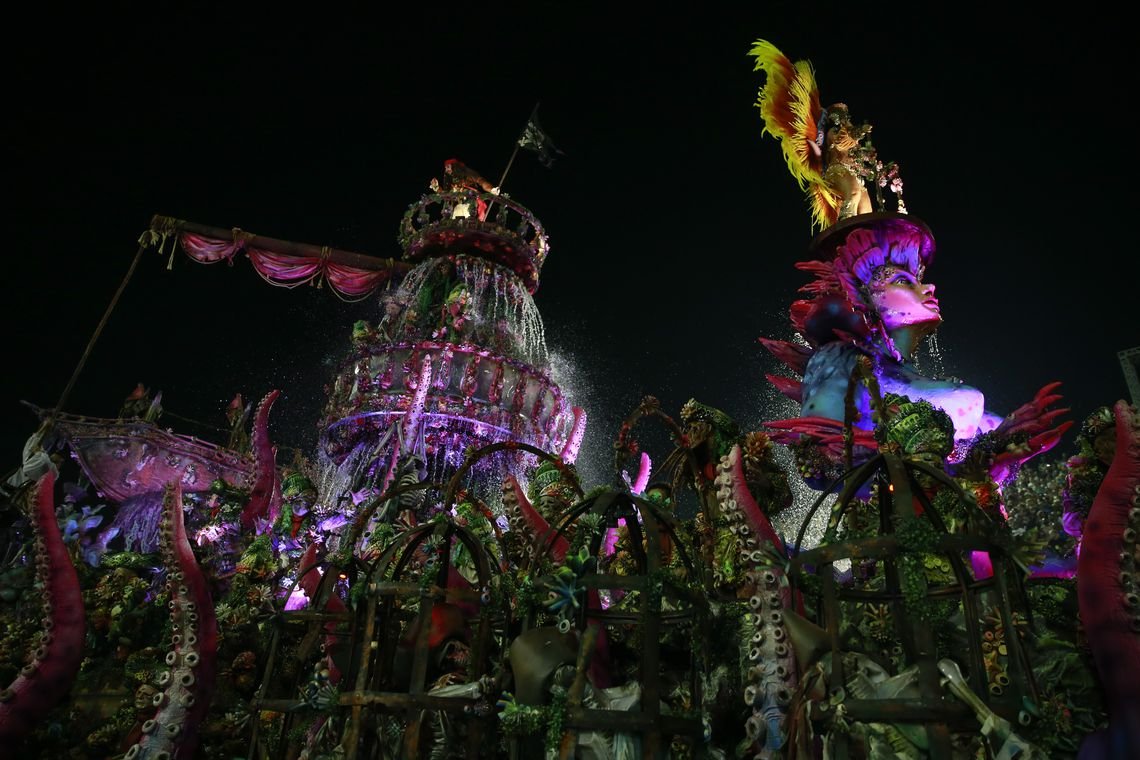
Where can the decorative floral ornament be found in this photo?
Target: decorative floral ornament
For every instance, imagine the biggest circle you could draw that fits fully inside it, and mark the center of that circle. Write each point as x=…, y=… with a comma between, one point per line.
x=917, y=429
x=564, y=586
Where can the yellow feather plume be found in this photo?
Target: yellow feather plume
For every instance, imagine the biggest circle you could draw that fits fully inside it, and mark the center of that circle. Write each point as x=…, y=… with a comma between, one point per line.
x=789, y=105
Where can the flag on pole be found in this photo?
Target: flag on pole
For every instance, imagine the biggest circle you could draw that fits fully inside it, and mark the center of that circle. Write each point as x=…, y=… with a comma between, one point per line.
x=535, y=139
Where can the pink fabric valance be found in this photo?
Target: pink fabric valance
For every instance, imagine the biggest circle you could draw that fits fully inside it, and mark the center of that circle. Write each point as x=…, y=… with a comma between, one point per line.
x=287, y=271
x=208, y=250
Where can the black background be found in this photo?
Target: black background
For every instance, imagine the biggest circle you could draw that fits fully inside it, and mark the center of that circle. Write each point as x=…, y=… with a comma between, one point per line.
x=674, y=223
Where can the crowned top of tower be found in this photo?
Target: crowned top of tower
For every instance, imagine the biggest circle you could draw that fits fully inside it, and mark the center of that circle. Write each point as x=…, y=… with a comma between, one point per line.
x=466, y=214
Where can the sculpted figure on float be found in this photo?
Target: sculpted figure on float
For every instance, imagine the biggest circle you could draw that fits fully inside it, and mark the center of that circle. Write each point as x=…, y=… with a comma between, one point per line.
x=858, y=324
x=869, y=298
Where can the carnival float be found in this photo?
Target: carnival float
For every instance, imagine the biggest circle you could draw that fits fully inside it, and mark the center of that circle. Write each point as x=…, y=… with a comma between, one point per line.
x=435, y=581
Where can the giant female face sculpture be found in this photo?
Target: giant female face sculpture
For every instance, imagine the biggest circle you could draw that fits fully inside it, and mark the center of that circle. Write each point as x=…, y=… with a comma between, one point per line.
x=868, y=284
x=902, y=300
x=873, y=288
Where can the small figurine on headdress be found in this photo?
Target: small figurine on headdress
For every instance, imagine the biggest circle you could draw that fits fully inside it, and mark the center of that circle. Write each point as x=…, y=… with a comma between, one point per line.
x=843, y=160
x=829, y=156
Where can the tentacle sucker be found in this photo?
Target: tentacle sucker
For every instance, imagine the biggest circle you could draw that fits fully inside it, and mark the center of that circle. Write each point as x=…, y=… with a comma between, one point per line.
x=187, y=686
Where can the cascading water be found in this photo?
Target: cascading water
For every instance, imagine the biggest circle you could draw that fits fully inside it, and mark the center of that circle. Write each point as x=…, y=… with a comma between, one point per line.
x=457, y=361
x=492, y=307
x=931, y=361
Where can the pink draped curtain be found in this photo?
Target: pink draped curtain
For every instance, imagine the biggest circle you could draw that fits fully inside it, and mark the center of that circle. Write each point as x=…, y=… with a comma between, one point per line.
x=287, y=271
x=208, y=250
x=351, y=281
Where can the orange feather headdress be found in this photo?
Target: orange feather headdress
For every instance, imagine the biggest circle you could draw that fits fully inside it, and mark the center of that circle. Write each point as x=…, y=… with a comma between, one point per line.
x=789, y=104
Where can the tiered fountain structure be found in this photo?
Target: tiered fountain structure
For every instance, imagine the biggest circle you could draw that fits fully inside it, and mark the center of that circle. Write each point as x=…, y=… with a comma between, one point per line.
x=458, y=359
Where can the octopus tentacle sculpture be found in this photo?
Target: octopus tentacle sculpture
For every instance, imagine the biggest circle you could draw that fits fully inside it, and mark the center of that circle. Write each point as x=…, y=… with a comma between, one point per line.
x=265, y=494
x=771, y=678
x=326, y=671
x=310, y=584
x=1107, y=589
x=529, y=521
x=187, y=687
x=525, y=518
x=47, y=678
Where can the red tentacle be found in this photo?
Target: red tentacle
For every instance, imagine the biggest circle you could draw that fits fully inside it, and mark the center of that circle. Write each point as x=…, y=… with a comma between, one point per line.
x=46, y=680
x=265, y=494
x=189, y=684
x=309, y=583
x=1107, y=589
x=531, y=521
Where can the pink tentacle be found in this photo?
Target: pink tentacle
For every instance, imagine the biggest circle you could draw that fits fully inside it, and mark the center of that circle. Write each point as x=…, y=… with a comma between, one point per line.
x=643, y=472
x=48, y=677
x=1107, y=588
x=265, y=495
x=749, y=510
x=189, y=684
x=309, y=583
x=574, y=442
x=524, y=517
x=772, y=677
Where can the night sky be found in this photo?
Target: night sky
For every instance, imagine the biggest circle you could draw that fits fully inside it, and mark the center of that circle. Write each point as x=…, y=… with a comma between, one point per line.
x=674, y=224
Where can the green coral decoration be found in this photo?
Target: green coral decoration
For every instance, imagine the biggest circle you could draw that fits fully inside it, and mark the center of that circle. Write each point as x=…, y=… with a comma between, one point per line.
x=660, y=495
x=917, y=429
x=555, y=717
x=918, y=566
x=586, y=527
x=519, y=719
x=284, y=522
x=953, y=510
x=526, y=594
x=380, y=537
x=129, y=560
x=257, y=560
x=551, y=490
x=1070, y=705
x=362, y=330
x=725, y=432
x=915, y=534
x=727, y=565
x=469, y=515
